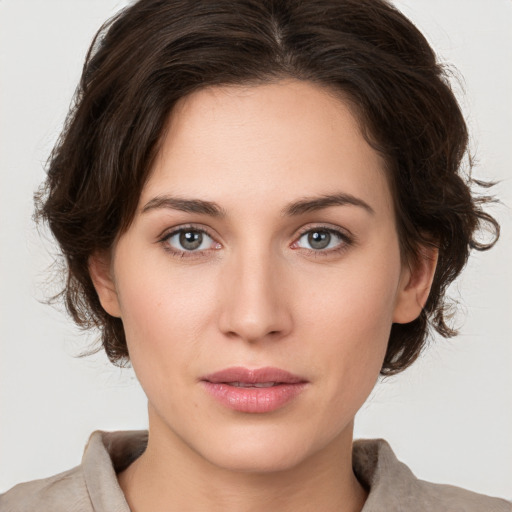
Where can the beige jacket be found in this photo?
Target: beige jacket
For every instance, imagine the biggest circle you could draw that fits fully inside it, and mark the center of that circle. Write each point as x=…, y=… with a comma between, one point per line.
x=93, y=487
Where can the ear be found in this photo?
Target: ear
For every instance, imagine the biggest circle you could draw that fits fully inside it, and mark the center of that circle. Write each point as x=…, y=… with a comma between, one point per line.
x=100, y=270
x=415, y=283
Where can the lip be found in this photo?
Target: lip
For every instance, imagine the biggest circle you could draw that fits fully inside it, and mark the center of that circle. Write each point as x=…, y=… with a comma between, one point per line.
x=241, y=388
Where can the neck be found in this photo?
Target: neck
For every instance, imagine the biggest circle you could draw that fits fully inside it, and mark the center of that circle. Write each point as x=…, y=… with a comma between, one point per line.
x=171, y=476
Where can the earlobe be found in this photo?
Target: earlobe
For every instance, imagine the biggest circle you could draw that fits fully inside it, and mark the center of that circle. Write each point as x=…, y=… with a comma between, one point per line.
x=100, y=270
x=415, y=284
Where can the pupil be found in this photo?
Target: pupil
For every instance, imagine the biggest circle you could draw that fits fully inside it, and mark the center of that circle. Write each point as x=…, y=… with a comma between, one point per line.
x=191, y=240
x=319, y=239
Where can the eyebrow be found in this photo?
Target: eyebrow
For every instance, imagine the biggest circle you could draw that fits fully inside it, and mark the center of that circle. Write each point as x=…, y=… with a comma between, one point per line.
x=184, y=205
x=300, y=207
x=311, y=204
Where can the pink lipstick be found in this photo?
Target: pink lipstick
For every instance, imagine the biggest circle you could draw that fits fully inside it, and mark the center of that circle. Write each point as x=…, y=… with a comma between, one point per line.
x=254, y=391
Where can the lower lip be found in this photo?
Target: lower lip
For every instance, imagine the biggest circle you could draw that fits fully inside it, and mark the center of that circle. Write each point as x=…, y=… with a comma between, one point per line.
x=254, y=400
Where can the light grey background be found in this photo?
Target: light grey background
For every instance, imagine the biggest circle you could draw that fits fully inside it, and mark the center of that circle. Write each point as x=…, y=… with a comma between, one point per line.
x=449, y=417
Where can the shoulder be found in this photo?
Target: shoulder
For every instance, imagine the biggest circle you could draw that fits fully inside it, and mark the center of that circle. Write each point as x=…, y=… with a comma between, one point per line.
x=91, y=486
x=393, y=486
x=63, y=492
x=450, y=498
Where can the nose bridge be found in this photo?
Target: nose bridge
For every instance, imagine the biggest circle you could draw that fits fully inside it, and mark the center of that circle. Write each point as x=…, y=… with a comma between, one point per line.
x=254, y=304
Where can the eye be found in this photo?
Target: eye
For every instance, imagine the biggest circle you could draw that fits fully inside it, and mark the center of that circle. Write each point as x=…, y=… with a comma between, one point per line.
x=322, y=239
x=189, y=240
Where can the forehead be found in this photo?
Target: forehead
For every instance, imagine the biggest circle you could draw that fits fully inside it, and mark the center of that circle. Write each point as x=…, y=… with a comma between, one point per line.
x=275, y=141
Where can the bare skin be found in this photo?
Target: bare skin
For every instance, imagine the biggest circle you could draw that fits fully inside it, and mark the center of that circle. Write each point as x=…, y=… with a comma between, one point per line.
x=195, y=486
x=279, y=167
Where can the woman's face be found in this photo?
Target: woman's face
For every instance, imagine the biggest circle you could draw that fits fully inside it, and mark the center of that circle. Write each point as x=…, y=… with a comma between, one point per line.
x=260, y=277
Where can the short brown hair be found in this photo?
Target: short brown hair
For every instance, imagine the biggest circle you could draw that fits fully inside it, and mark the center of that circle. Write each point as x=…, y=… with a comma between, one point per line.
x=155, y=52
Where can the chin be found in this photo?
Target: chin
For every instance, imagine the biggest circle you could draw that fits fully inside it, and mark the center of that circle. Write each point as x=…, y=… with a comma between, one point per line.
x=256, y=451
x=257, y=459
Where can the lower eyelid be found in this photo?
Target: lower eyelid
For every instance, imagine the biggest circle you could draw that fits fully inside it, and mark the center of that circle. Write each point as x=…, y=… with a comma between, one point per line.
x=164, y=239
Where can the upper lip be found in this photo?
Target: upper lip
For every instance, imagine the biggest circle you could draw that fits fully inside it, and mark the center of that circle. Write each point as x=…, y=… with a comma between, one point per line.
x=253, y=376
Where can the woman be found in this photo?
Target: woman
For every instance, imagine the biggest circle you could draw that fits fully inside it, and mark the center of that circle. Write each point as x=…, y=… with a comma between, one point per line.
x=260, y=207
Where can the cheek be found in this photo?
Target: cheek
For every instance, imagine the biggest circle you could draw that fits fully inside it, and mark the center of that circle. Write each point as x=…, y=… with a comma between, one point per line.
x=357, y=300
x=351, y=335
x=164, y=313
x=350, y=315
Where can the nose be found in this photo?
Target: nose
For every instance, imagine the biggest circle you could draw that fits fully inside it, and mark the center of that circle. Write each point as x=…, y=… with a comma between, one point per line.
x=255, y=302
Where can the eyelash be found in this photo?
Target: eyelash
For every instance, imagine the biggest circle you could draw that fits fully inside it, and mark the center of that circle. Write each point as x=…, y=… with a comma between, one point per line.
x=346, y=241
x=164, y=240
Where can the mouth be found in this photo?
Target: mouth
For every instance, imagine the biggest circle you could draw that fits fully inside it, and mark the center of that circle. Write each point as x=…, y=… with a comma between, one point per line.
x=255, y=385
x=261, y=390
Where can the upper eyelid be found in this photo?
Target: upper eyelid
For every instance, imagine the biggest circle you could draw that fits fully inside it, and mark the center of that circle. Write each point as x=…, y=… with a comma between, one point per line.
x=343, y=232
x=166, y=233
x=347, y=240
x=164, y=240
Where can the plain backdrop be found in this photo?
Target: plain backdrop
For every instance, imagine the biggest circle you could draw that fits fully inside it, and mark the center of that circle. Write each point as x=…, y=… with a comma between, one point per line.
x=449, y=417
